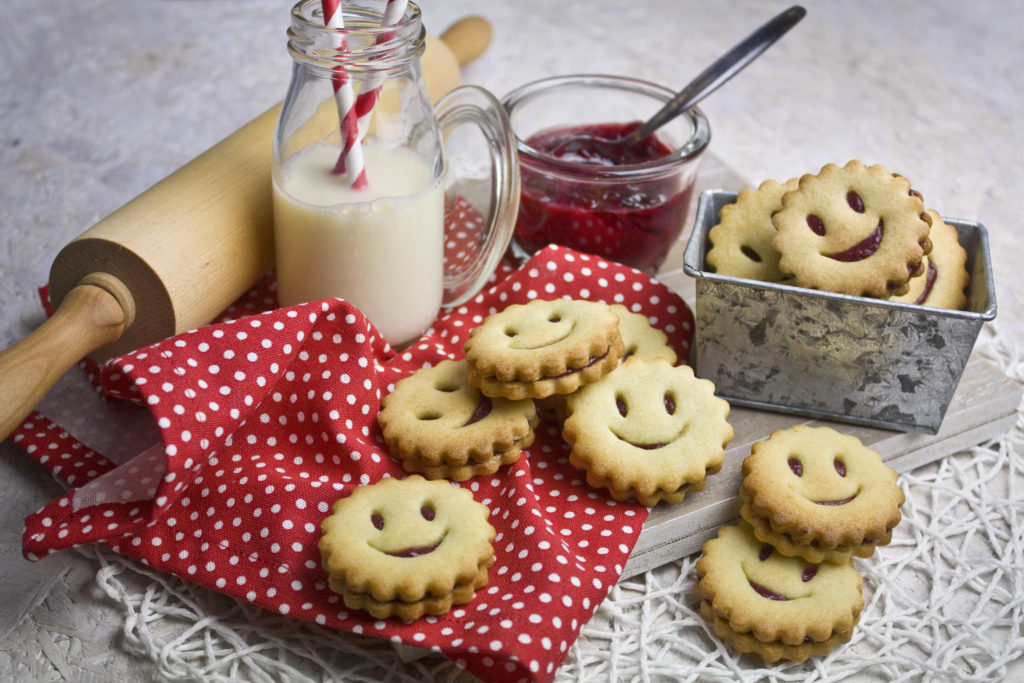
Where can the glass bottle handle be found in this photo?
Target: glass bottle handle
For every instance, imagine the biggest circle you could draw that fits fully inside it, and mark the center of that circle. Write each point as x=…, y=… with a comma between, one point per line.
x=499, y=207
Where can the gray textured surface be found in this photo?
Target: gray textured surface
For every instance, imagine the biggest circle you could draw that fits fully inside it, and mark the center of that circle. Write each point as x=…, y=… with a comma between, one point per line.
x=99, y=99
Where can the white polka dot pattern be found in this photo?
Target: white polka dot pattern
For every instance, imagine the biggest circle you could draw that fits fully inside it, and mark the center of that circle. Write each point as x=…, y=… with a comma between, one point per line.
x=269, y=417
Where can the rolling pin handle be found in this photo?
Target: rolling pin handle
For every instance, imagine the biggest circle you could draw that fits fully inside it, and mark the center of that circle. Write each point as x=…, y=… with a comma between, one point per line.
x=93, y=314
x=467, y=38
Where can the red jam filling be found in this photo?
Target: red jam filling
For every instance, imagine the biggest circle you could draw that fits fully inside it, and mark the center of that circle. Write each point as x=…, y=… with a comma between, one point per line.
x=482, y=410
x=766, y=593
x=929, y=283
x=862, y=249
x=844, y=501
x=414, y=551
x=620, y=405
x=816, y=225
x=572, y=371
x=796, y=466
x=633, y=223
x=809, y=573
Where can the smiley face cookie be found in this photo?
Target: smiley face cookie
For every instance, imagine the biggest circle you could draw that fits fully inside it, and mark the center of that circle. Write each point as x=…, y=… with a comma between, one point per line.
x=542, y=348
x=639, y=339
x=648, y=431
x=855, y=230
x=436, y=424
x=407, y=547
x=944, y=278
x=819, y=494
x=741, y=242
x=775, y=606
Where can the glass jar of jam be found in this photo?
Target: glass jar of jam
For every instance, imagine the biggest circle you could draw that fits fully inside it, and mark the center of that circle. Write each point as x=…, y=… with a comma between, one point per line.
x=628, y=206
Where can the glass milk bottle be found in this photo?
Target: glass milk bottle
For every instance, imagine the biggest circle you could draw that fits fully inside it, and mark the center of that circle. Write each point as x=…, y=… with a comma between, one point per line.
x=361, y=203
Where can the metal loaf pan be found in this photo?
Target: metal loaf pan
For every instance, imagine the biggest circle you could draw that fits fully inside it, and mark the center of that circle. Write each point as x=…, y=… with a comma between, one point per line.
x=844, y=358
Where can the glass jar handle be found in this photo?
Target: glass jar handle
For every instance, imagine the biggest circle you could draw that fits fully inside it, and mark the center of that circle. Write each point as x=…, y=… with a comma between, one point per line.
x=481, y=188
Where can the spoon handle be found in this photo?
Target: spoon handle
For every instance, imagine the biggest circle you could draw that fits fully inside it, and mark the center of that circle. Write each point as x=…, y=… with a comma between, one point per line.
x=724, y=68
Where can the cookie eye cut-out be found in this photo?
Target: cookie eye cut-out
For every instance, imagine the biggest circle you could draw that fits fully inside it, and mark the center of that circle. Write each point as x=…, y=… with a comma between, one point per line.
x=750, y=254
x=809, y=573
x=855, y=202
x=428, y=512
x=765, y=552
x=670, y=404
x=796, y=466
x=620, y=405
x=428, y=416
x=377, y=521
x=816, y=225
x=511, y=332
x=554, y=318
x=446, y=387
x=840, y=467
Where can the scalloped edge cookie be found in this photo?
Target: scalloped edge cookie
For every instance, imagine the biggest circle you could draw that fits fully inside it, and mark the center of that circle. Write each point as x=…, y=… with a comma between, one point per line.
x=437, y=424
x=823, y=253
x=628, y=465
x=404, y=578
x=812, y=529
x=741, y=241
x=543, y=347
x=944, y=278
x=754, y=619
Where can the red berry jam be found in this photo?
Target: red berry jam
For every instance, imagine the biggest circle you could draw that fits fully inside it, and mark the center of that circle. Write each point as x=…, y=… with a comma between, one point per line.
x=630, y=222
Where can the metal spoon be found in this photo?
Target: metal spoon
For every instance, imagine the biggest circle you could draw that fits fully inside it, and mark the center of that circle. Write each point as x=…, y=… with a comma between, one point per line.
x=724, y=68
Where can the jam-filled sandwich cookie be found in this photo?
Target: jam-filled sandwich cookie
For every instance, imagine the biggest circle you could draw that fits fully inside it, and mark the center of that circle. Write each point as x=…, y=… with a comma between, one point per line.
x=819, y=494
x=407, y=547
x=944, y=278
x=640, y=339
x=775, y=606
x=741, y=242
x=542, y=348
x=438, y=425
x=857, y=230
x=649, y=431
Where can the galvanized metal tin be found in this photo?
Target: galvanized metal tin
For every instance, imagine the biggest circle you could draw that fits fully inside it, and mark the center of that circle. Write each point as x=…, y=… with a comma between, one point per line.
x=819, y=354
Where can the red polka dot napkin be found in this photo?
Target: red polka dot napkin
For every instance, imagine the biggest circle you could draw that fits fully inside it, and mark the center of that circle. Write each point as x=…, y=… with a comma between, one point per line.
x=267, y=418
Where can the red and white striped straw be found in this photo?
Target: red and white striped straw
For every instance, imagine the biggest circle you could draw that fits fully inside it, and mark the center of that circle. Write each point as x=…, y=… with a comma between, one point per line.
x=350, y=162
x=370, y=90
x=354, y=112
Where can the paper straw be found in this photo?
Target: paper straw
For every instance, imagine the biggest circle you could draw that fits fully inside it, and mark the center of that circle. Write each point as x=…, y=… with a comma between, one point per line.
x=370, y=91
x=350, y=162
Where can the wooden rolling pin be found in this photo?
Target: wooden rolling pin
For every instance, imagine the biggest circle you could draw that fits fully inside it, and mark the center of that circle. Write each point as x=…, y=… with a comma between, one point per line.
x=181, y=252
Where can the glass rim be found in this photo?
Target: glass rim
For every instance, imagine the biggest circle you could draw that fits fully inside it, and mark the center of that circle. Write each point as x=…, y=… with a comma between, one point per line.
x=689, y=150
x=363, y=43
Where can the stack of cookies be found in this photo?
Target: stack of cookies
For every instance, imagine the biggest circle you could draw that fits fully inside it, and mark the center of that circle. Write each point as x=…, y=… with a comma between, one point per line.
x=437, y=424
x=857, y=230
x=638, y=425
x=781, y=583
x=407, y=547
